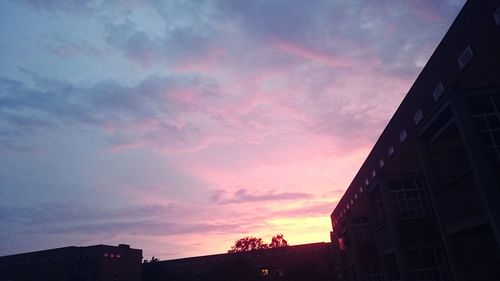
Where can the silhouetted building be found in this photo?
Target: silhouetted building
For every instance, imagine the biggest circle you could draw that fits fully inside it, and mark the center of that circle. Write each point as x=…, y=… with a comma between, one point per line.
x=301, y=262
x=425, y=205
x=92, y=263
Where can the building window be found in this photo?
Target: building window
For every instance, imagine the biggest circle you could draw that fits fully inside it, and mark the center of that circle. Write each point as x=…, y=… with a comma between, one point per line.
x=342, y=244
x=438, y=91
x=371, y=272
x=381, y=163
x=427, y=265
x=418, y=116
x=448, y=158
x=390, y=151
x=409, y=199
x=402, y=136
x=363, y=230
x=280, y=272
x=486, y=115
x=465, y=58
x=374, y=173
x=377, y=206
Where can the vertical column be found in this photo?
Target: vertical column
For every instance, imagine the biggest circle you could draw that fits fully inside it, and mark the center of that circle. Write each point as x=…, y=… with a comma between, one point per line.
x=488, y=189
x=393, y=230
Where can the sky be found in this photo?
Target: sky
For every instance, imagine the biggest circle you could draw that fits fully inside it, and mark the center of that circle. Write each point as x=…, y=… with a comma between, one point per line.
x=181, y=126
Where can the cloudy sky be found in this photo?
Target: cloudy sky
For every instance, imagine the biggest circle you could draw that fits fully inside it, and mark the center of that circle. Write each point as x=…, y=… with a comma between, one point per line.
x=181, y=126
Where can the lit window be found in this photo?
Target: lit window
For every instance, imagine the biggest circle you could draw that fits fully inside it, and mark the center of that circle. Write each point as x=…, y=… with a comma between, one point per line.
x=106, y=255
x=360, y=189
x=342, y=245
x=390, y=151
x=374, y=173
x=264, y=272
x=402, y=136
x=112, y=255
x=464, y=58
x=118, y=256
x=352, y=202
x=367, y=182
x=438, y=91
x=355, y=196
x=496, y=15
x=417, y=117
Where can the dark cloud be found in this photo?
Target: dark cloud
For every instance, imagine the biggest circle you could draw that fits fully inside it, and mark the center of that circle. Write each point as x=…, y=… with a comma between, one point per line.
x=28, y=228
x=65, y=48
x=64, y=213
x=175, y=46
x=144, y=227
x=52, y=103
x=246, y=196
x=70, y=5
x=148, y=220
x=389, y=30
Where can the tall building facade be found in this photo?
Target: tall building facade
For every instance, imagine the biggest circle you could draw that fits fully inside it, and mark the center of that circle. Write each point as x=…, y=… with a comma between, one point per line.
x=425, y=204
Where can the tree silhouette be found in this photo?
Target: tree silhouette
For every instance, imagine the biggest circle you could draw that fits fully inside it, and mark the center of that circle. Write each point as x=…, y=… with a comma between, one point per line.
x=153, y=259
x=278, y=241
x=250, y=243
x=247, y=244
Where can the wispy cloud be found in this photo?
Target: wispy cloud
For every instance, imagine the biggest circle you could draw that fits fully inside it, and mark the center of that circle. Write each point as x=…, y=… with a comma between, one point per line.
x=246, y=196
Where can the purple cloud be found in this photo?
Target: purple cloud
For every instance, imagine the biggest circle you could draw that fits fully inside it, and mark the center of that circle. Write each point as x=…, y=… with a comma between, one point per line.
x=245, y=196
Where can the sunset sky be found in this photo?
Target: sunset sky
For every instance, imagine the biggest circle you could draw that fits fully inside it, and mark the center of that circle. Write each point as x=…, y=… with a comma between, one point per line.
x=180, y=126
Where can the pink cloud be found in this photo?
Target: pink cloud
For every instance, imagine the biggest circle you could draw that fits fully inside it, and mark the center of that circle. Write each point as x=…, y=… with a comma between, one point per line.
x=209, y=62
x=309, y=54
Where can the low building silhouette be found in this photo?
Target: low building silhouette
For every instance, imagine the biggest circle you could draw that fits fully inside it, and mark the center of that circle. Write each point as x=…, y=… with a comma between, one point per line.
x=110, y=263
x=291, y=263
x=91, y=263
x=425, y=204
